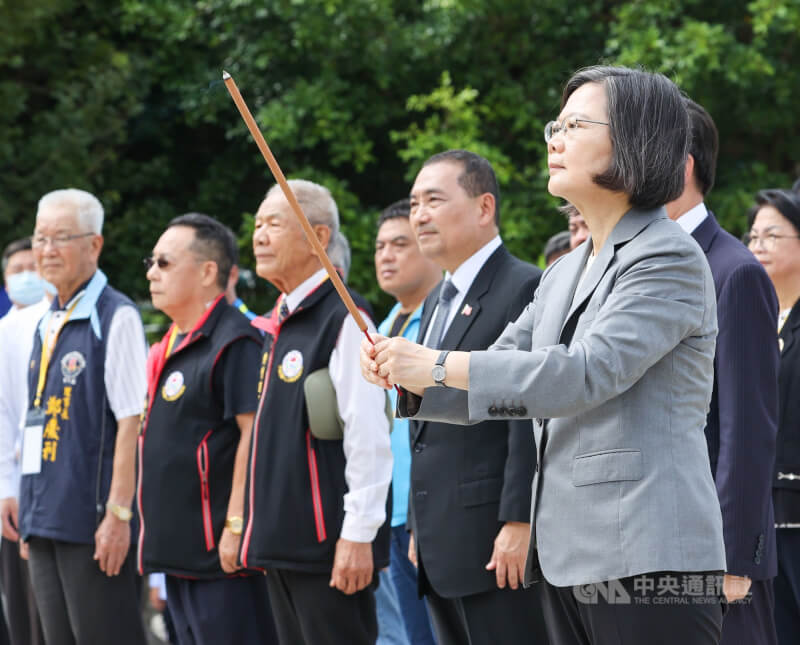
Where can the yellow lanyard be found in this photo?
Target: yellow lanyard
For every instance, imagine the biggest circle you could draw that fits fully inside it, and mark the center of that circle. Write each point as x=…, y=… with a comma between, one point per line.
x=172, y=336
x=47, y=352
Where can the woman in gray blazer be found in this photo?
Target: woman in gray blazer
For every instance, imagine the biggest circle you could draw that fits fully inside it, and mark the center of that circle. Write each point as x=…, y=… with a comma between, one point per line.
x=614, y=362
x=774, y=239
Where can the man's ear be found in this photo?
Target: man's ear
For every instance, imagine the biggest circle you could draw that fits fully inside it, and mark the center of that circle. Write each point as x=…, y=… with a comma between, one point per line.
x=487, y=205
x=688, y=171
x=95, y=246
x=323, y=234
x=233, y=277
x=208, y=277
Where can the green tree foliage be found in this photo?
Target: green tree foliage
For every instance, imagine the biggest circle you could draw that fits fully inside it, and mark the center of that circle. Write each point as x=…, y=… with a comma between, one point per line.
x=124, y=99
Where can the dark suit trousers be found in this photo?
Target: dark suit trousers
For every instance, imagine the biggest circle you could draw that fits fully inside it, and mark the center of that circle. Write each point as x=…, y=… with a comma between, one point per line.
x=582, y=616
x=308, y=611
x=751, y=621
x=77, y=602
x=225, y=610
x=490, y=618
x=787, y=586
x=23, y=623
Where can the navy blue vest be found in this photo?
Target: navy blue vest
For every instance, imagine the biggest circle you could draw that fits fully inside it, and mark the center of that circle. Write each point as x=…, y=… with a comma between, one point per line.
x=66, y=500
x=294, y=504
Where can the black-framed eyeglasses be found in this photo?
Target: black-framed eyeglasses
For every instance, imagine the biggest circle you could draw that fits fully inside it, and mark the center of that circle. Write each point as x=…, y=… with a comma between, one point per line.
x=161, y=262
x=57, y=241
x=565, y=126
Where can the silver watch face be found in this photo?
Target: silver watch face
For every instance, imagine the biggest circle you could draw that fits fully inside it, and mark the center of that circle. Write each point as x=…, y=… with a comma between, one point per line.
x=438, y=373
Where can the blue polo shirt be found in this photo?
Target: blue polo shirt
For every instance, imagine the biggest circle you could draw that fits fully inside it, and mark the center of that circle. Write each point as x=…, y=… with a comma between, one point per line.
x=401, y=442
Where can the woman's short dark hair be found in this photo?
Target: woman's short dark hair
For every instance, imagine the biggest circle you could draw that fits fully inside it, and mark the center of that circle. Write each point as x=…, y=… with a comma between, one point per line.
x=212, y=241
x=649, y=130
x=786, y=202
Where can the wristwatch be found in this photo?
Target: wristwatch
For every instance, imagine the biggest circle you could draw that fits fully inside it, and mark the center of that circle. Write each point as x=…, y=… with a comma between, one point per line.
x=234, y=525
x=122, y=513
x=439, y=373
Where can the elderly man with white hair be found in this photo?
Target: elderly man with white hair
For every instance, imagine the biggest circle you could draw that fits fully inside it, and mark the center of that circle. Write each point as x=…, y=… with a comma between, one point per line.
x=86, y=386
x=315, y=503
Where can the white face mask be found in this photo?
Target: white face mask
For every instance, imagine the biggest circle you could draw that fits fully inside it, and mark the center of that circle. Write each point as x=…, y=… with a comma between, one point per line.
x=26, y=288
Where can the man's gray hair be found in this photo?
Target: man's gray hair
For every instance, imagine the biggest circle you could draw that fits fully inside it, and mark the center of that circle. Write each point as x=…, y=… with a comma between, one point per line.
x=316, y=201
x=339, y=253
x=87, y=208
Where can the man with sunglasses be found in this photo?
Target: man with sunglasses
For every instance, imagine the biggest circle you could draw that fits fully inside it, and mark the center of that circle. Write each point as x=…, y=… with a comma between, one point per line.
x=195, y=435
x=86, y=382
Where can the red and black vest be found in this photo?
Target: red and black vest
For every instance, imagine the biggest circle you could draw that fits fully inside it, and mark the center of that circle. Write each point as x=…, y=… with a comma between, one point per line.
x=186, y=449
x=294, y=506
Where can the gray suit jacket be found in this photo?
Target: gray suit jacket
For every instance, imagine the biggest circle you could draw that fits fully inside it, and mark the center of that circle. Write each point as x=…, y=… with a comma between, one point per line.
x=619, y=381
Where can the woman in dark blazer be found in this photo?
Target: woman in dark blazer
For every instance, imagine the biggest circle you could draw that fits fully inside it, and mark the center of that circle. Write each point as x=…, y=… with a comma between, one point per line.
x=775, y=240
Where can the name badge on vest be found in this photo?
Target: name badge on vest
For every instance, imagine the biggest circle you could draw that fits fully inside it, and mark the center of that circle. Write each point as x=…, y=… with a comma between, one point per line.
x=32, y=442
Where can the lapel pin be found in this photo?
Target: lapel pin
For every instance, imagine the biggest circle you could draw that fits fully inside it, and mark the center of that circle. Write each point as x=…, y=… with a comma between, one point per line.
x=466, y=311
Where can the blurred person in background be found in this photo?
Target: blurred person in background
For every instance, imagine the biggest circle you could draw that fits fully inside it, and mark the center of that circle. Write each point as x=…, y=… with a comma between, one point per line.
x=85, y=391
x=339, y=254
x=775, y=241
x=743, y=418
x=30, y=298
x=578, y=230
x=408, y=276
x=556, y=246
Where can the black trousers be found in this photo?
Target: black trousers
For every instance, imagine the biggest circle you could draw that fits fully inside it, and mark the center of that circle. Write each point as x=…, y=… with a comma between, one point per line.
x=22, y=617
x=228, y=610
x=308, y=611
x=751, y=621
x=77, y=602
x=787, y=586
x=666, y=608
x=489, y=618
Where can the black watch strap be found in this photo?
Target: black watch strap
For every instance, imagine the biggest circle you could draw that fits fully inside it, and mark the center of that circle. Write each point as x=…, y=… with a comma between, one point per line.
x=440, y=364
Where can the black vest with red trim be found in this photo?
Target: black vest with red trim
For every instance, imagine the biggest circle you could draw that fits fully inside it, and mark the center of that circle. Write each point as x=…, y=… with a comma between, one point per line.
x=186, y=449
x=294, y=504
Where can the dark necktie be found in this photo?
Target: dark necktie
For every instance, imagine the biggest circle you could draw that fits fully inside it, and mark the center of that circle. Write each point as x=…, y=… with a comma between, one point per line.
x=446, y=295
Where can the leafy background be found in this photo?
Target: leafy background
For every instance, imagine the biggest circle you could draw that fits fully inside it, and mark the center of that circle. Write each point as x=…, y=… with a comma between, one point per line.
x=123, y=98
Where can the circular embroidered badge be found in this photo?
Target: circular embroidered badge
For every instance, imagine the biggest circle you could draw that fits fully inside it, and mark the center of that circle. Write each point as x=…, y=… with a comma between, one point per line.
x=291, y=367
x=72, y=364
x=173, y=386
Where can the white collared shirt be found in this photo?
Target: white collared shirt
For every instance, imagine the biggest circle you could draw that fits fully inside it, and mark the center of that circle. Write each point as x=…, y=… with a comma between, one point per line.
x=16, y=343
x=692, y=218
x=366, y=444
x=462, y=280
